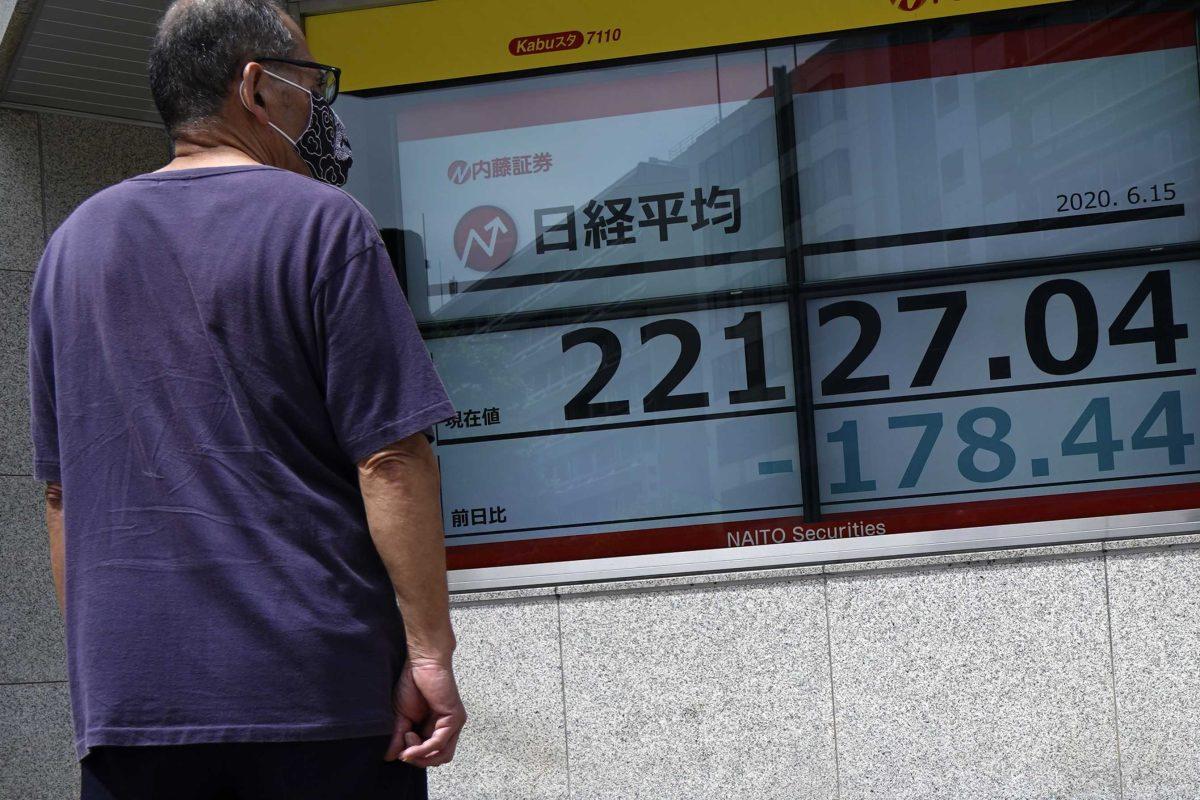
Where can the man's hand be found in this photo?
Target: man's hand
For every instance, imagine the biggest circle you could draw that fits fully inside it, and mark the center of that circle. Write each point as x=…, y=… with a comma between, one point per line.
x=401, y=489
x=429, y=714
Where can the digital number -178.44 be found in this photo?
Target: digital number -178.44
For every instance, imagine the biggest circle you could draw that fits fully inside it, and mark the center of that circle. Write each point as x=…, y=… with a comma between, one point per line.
x=985, y=430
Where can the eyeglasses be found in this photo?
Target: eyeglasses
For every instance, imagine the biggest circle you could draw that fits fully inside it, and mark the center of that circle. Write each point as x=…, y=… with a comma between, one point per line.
x=328, y=82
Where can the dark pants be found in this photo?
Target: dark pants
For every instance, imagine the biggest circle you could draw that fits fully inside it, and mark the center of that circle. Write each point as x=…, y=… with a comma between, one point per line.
x=339, y=769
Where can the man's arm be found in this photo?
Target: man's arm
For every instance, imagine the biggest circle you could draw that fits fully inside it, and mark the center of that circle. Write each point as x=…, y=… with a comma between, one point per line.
x=400, y=489
x=54, y=524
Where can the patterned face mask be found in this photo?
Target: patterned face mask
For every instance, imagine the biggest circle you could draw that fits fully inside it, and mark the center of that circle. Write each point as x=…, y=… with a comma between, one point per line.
x=323, y=145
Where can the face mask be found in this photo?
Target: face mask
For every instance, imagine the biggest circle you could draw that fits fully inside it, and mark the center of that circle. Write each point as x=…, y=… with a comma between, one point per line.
x=323, y=145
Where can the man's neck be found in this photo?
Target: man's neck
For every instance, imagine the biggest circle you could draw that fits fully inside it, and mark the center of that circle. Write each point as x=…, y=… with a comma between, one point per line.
x=191, y=156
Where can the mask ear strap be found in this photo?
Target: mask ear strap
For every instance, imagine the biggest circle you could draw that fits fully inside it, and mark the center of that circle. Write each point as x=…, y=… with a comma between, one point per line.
x=284, y=135
x=285, y=80
x=312, y=109
x=242, y=97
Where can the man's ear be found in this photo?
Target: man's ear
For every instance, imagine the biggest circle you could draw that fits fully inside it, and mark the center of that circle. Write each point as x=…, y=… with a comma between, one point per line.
x=249, y=89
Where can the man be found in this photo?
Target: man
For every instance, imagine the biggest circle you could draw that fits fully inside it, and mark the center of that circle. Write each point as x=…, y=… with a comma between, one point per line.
x=231, y=407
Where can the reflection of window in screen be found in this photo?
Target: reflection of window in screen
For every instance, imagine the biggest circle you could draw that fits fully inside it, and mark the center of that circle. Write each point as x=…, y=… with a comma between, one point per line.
x=952, y=170
x=828, y=179
x=946, y=91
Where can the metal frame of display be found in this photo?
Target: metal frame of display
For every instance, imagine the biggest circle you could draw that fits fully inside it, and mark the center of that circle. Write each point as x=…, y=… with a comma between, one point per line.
x=796, y=293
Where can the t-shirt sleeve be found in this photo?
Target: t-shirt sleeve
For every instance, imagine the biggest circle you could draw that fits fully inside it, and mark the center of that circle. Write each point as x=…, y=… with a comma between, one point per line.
x=380, y=383
x=43, y=419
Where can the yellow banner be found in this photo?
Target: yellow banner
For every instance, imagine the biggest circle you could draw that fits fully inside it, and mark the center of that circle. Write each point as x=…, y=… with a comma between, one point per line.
x=445, y=39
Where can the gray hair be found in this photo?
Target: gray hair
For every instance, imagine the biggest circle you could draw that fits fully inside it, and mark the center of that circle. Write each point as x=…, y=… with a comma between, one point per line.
x=200, y=46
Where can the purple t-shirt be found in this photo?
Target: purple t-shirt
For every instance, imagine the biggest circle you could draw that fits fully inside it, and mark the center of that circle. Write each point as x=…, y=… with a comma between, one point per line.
x=211, y=351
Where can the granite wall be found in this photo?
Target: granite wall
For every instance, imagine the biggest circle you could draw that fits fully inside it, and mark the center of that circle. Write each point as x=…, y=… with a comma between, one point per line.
x=1062, y=672
x=1059, y=672
x=49, y=163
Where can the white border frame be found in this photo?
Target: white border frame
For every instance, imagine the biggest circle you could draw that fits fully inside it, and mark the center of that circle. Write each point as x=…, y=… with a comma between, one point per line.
x=986, y=537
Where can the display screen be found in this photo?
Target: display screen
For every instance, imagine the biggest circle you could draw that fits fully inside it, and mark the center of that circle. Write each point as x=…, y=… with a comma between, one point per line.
x=924, y=281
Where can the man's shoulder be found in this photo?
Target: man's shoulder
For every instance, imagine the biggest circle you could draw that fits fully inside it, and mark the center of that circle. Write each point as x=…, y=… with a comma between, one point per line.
x=331, y=207
x=280, y=189
x=282, y=183
x=302, y=189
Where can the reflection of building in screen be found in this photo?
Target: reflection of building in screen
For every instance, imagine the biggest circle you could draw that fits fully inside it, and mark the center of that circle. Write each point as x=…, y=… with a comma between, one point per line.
x=989, y=151
x=737, y=150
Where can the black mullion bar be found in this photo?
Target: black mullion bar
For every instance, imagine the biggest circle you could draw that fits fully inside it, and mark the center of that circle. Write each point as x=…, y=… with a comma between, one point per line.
x=616, y=426
x=1004, y=270
x=1008, y=389
x=1018, y=487
x=731, y=511
x=611, y=271
x=789, y=188
x=996, y=229
x=608, y=311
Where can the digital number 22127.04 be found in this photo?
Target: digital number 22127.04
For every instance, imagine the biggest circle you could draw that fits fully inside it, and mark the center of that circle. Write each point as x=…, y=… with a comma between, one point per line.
x=662, y=397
